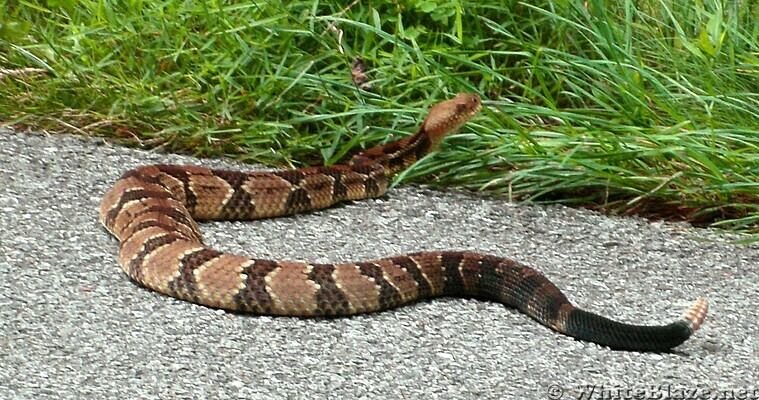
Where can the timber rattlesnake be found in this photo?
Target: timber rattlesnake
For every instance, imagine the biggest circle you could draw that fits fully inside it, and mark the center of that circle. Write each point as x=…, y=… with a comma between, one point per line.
x=152, y=211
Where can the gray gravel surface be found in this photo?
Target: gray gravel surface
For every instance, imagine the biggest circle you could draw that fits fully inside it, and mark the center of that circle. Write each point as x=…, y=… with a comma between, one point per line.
x=75, y=327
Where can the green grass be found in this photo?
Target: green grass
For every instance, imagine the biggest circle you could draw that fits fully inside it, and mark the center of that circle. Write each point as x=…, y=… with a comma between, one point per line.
x=648, y=107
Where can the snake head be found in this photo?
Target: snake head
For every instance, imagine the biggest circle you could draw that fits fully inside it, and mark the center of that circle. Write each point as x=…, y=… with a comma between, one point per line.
x=447, y=116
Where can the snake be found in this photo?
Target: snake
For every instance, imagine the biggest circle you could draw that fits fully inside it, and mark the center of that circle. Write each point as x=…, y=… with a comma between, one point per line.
x=154, y=211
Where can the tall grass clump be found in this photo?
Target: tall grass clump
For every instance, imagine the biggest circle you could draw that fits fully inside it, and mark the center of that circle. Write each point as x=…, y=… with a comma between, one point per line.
x=646, y=107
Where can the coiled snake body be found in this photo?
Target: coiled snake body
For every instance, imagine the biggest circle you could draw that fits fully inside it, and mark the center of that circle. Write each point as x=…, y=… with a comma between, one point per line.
x=152, y=211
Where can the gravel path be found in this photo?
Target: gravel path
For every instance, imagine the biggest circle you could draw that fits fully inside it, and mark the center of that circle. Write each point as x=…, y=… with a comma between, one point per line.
x=74, y=327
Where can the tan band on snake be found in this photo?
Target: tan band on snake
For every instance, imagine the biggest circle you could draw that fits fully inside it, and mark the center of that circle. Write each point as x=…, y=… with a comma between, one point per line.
x=152, y=211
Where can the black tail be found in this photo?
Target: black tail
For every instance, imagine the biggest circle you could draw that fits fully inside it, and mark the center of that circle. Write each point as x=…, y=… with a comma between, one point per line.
x=595, y=328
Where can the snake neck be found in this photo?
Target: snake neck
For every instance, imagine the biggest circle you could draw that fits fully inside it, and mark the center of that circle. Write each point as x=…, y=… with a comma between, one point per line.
x=399, y=155
x=442, y=119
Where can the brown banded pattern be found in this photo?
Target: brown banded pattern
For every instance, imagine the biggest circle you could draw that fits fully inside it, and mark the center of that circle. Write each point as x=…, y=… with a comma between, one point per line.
x=152, y=211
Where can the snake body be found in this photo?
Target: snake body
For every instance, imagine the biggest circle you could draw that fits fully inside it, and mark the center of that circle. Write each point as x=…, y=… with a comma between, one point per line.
x=153, y=210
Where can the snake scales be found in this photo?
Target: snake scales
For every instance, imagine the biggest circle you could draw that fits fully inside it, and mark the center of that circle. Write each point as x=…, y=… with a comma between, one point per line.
x=152, y=211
